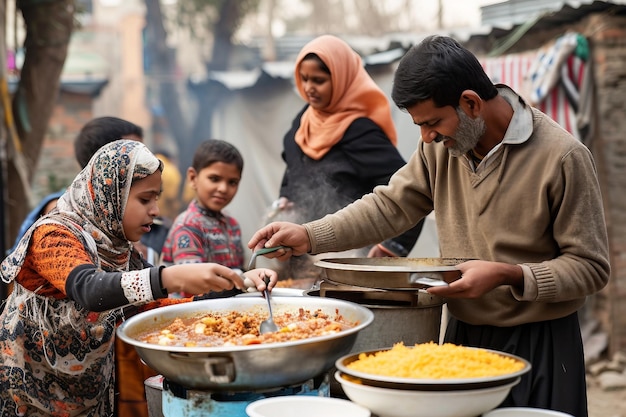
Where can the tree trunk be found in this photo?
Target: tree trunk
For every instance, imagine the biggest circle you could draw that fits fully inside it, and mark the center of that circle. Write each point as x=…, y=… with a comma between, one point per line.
x=49, y=26
x=227, y=23
x=186, y=137
x=229, y=18
x=163, y=69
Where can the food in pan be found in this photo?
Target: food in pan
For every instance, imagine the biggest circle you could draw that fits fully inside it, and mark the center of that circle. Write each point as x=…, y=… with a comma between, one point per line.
x=237, y=328
x=434, y=361
x=299, y=283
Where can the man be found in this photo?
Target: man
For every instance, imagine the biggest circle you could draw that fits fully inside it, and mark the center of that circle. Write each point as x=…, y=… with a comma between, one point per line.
x=510, y=189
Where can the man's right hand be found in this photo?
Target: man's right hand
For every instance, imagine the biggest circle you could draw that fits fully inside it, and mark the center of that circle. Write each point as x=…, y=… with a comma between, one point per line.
x=287, y=234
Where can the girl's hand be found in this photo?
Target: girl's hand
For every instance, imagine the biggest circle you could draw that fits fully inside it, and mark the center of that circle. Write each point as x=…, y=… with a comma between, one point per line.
x=254, y=279
x=200, y=278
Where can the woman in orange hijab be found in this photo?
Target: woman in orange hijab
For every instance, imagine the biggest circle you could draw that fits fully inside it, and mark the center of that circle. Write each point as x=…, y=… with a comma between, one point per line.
x=342, y=143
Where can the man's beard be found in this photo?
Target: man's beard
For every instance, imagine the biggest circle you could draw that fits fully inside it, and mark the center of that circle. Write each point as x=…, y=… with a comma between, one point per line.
x=467, y=134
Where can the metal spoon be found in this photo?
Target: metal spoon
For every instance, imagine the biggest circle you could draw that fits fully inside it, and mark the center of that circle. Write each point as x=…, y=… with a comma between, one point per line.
x=268, y=326
x=261, y=251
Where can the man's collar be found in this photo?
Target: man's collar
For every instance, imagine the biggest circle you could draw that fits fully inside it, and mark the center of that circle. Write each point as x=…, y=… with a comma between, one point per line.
x=521, y=125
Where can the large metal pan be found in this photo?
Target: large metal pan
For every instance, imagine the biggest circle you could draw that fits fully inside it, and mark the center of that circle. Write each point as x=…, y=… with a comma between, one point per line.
x=390, y=273
x=245, y=368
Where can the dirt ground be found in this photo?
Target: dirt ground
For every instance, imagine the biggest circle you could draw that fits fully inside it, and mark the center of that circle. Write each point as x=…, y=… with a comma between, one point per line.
x=605, y=403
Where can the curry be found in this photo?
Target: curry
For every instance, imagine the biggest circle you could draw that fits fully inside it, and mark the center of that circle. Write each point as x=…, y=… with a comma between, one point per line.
x=239, y=328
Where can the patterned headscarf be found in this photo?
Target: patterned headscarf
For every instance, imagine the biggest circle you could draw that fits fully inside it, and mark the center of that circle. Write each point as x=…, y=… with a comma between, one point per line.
x=354, y=95
x=93, y=207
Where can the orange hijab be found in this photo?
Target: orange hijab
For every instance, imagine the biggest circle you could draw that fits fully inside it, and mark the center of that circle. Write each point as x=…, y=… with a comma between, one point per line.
x=354, y=95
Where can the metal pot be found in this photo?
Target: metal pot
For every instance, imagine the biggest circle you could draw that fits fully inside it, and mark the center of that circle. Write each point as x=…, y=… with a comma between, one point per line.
x=245, y=368
x=390, y=273
x=399, y=316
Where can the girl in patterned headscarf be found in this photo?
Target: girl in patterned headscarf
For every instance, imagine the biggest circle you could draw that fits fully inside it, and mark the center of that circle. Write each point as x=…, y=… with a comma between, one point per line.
x=75, y=273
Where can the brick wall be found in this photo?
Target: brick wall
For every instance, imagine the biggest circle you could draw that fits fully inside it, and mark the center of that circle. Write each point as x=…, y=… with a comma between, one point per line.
x=57, y=166
x=607, y=35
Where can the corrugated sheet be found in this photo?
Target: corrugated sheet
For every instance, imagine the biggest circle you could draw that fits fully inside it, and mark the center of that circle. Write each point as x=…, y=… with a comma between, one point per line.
x=516, y=12
x=236, y=80
x=513, y=16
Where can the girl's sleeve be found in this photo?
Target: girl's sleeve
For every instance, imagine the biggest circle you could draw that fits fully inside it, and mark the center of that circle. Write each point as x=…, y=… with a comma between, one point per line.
x=100, y=291
x=59, y=257
x=53, y=253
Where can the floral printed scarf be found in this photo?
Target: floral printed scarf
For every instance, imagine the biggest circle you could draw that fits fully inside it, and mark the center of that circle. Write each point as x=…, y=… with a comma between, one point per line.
x=57, y=357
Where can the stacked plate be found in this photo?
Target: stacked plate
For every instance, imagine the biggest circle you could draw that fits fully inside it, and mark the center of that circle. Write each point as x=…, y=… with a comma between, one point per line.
x=405, y=397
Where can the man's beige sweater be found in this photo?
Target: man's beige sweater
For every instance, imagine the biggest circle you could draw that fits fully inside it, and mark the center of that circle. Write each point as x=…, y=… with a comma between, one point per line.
x=535, y=201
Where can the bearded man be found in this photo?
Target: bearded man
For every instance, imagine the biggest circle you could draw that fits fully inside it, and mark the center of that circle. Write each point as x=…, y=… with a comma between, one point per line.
x=513, y=192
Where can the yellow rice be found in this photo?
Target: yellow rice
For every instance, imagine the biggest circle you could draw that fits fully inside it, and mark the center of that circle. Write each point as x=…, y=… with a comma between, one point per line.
x=433, y=361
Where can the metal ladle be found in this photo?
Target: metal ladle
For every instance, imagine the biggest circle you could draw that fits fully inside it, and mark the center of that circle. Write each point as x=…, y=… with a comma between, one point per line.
x=268, y=326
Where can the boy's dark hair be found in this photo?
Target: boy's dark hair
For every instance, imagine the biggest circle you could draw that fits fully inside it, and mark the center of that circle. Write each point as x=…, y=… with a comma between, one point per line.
x=216, y=150
x=100, y=131
x=439, y=68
